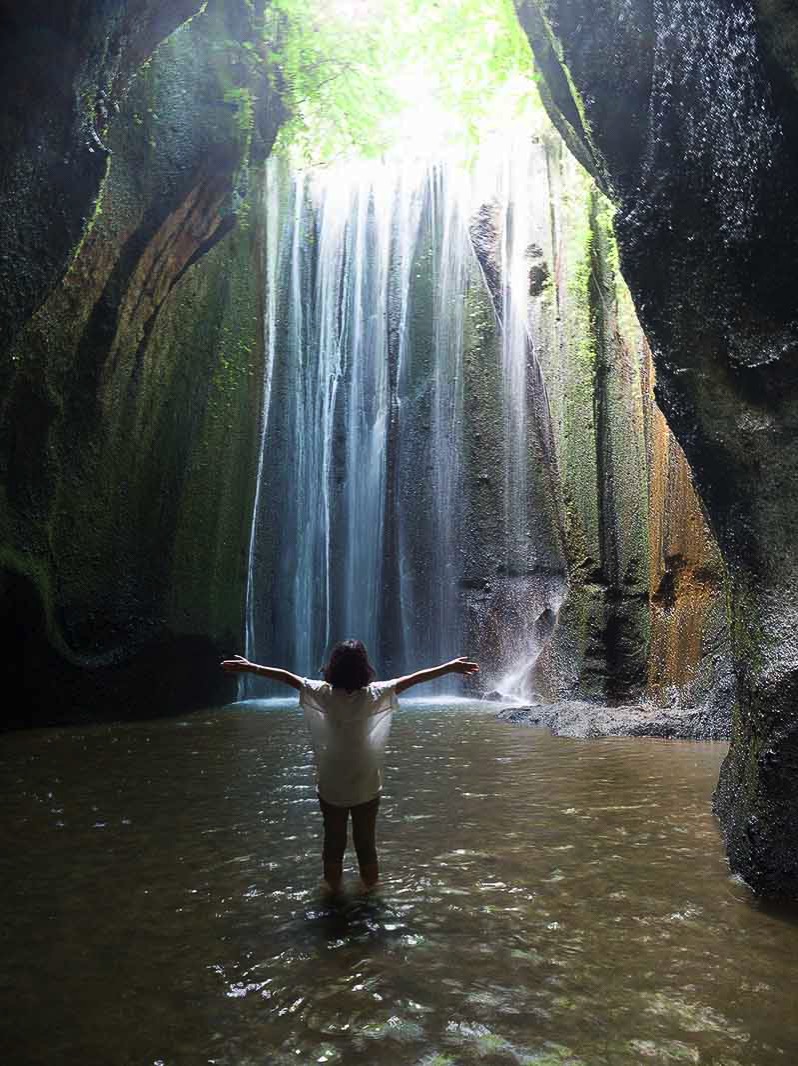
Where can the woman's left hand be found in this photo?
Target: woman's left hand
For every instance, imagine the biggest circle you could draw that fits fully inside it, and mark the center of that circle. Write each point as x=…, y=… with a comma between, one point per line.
x=237, y=665
x=463, y=665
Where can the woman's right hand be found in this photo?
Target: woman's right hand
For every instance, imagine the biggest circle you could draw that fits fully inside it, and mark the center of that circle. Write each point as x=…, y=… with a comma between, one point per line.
x=463, y=665
x=237, y=665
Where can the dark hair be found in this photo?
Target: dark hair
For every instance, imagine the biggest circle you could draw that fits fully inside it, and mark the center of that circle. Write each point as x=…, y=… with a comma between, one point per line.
x=349, y=666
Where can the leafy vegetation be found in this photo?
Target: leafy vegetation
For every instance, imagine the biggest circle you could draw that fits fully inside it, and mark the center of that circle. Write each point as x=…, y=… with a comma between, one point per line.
x=370, y=78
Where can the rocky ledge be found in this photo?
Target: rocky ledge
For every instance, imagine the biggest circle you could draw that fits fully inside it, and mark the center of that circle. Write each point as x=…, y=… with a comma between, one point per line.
x=581, y=719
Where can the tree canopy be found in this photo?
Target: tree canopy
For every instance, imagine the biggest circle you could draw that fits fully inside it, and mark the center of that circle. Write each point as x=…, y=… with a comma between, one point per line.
x=374, y=78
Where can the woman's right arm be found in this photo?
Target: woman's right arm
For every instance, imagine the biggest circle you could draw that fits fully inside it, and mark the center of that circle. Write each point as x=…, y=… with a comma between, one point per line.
x=239, y=665
x=463, y=665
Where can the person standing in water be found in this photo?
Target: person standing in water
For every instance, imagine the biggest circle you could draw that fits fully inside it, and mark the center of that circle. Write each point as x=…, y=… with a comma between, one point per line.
x=348, y=715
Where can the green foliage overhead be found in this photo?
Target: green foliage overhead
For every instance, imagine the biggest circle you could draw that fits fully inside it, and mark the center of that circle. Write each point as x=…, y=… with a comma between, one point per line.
x=374, y=77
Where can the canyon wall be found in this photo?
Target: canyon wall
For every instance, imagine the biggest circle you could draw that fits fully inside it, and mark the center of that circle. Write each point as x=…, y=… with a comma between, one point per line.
x=132, y=365
x=686, y=115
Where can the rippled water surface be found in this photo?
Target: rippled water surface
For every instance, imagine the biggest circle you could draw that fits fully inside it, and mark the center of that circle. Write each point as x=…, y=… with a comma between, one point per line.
x=545, y=901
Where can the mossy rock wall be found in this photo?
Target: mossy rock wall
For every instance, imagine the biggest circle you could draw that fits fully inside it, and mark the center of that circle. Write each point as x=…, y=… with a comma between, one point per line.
x=64, y=68
x=615, y=468
x=514, y=572
x=687, y=115
x=130, y=421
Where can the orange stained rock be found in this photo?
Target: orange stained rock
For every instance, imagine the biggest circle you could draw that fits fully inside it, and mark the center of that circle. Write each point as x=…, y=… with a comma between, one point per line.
x=685, y=564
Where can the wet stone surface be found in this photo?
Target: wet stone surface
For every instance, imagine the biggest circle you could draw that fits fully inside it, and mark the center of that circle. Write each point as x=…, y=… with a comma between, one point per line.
x=579, y=718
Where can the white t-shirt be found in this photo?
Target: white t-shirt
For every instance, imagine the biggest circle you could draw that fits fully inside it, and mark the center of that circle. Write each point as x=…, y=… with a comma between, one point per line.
x=349, y=731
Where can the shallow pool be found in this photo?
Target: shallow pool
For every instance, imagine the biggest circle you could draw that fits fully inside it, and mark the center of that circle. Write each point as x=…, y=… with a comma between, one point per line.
x=545, y=901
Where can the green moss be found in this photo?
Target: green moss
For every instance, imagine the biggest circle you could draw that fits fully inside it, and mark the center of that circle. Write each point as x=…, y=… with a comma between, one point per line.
x=350, y=80
x=604, y=224
x=576, y=97
x=243, y=101
x=209, y=574
x=91, y=222
x=558, y=92
x=140, y=379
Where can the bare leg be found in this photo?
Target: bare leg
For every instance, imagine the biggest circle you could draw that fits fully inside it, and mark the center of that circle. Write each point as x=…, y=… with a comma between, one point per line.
x=333, y=876
x=335, y=824
x=370, y=874
x=364, y=831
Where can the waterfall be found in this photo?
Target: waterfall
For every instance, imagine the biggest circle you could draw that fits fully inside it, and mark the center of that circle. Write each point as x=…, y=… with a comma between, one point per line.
x=388, y=340
x=429, y=425
x=270, y=206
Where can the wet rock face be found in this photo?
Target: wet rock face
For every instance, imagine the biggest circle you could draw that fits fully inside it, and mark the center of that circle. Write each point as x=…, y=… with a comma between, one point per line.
x=635, y=598
x=64, y=68
x=128, y=421
x=687, y=113
x=691, y=129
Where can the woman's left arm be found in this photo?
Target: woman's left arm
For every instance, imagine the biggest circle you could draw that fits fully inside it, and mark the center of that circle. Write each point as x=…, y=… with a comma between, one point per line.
x=463, y=665
x=239, y=665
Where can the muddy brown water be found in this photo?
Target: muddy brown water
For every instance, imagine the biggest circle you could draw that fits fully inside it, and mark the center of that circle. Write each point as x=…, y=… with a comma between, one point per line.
x=545, y=901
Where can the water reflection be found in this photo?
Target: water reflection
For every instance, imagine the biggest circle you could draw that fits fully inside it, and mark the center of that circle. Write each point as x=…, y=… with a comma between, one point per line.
x=545, y=901
x=344, y=921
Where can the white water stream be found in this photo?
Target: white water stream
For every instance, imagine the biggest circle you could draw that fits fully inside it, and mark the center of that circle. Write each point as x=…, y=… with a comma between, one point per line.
x=367, y=519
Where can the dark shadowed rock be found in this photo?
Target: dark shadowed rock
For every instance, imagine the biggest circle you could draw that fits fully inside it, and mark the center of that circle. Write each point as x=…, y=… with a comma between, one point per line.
x=687, y=114
x=129, y=420
x=64, y=69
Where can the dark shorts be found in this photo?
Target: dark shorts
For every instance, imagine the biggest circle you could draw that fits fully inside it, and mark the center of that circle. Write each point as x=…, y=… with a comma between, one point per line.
x=364, y=830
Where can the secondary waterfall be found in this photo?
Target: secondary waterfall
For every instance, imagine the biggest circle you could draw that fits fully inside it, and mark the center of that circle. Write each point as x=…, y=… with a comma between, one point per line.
x=404, y=494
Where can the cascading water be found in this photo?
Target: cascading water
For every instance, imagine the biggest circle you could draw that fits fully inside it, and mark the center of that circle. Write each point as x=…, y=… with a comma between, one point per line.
x=383, y=510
